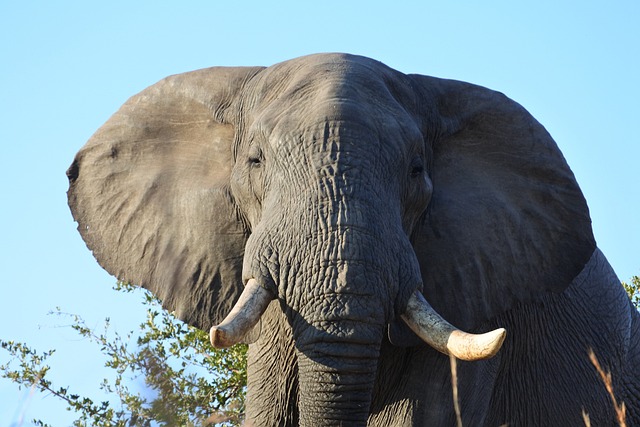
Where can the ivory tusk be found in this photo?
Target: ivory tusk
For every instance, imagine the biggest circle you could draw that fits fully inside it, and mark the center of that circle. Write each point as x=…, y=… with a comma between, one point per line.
x=447, y=339
x=252, y=303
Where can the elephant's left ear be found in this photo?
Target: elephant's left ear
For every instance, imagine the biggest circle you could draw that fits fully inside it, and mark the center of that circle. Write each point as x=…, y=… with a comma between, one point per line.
x=150, y=193
x=507, y=221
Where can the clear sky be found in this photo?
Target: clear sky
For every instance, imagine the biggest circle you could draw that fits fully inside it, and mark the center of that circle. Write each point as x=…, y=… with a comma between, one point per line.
x=65, y=67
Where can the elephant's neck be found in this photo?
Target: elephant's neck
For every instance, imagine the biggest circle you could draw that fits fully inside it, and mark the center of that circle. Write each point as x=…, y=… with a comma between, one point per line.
x=549, y=348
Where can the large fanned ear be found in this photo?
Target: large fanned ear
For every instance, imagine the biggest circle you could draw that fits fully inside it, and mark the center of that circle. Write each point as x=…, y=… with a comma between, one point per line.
x=507, y=221
x=150, y=193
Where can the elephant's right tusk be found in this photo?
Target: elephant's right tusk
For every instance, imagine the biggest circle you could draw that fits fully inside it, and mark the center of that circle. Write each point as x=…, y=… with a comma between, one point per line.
x=252, y=303
x=447, y=339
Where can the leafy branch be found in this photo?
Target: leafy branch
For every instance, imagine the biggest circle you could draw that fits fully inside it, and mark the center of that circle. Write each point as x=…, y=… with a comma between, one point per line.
x=191, y=382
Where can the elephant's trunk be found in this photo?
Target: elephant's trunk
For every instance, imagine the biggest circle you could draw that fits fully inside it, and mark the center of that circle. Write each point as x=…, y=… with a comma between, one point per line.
x=339, y=304
x=336, y=384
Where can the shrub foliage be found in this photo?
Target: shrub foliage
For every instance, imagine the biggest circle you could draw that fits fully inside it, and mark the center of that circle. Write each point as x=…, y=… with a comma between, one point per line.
x=191, y=383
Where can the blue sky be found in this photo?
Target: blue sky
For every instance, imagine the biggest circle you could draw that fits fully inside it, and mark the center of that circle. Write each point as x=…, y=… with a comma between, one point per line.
x=67, y=66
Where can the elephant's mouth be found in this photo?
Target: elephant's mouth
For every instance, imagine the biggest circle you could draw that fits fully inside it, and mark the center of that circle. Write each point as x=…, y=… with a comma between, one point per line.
x=421, y=318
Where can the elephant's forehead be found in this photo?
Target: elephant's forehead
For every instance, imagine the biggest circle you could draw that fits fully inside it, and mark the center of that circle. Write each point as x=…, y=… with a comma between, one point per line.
x=328, y=68
x=319, y=83
x=338, y=133
x=323, y=90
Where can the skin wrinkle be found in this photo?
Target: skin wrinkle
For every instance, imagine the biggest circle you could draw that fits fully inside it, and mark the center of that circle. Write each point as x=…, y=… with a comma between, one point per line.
x=329, y=407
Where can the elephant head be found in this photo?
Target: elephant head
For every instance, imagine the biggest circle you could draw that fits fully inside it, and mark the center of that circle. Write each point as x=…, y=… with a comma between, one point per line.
x=343, y=191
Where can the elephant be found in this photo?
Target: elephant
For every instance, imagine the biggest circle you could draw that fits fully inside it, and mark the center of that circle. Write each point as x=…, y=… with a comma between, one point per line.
x=340, y=216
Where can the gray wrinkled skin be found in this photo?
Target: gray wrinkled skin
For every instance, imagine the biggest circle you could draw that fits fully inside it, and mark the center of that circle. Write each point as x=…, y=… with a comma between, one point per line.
x=342, y=186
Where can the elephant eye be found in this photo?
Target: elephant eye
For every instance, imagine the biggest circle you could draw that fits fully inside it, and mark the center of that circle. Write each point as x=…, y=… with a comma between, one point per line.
x=255, y=157
x=255, y=161
x=417, y=167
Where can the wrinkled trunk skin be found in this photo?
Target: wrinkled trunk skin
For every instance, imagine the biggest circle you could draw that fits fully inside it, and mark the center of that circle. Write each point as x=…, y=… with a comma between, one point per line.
x=337, y=334
x=338, y=321
x=337, y=286
x=336, y=390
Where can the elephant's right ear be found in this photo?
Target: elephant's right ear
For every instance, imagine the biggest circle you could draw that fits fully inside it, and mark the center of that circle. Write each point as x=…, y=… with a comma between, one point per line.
x=507, y=222
x=150, y=193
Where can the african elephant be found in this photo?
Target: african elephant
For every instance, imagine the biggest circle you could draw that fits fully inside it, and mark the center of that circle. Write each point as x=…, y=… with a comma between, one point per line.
x=331, y=196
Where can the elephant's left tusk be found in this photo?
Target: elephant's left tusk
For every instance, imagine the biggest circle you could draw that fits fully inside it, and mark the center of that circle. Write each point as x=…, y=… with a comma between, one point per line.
x=252, y=303
x=447, y=339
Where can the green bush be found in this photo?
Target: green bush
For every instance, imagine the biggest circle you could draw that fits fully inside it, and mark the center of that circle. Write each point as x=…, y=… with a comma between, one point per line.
x=193, y=383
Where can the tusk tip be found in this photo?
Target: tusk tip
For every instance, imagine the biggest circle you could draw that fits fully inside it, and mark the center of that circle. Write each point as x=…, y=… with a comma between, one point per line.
x=495, y=339
x=476, y=347
x=243, y=317
x=219, y=337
